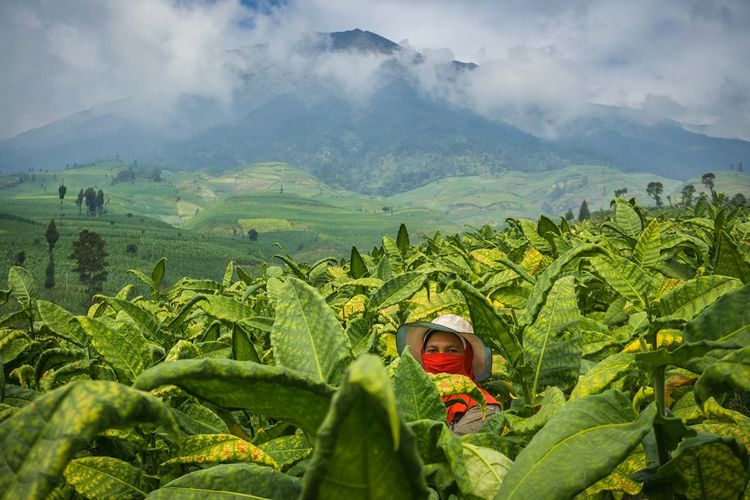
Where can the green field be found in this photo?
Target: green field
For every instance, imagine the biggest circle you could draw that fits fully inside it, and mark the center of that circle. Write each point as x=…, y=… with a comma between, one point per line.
x=200, y=220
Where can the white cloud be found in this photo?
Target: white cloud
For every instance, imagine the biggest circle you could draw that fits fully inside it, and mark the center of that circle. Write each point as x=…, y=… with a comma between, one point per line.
x=540, y=62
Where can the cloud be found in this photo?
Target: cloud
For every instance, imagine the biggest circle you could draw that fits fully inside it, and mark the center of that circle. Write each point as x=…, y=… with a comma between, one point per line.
x=541, y=63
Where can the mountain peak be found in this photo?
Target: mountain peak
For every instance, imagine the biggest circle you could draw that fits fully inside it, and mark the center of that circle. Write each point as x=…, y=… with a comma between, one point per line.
x=362, y=41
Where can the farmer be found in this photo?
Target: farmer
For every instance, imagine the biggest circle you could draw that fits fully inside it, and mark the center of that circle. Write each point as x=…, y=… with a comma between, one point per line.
x=448, y=345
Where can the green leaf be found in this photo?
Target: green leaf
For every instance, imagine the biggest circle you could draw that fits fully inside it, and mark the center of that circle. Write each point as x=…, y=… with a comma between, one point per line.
x=477, y=470
x=546, y=279
x=13, y=343
x=364, y=449
x=402, y=240
x=225, y=308
x=22, y=287
x=357, y=266
x=105, y=477
x=732, y=372
x=243, y=348
x=226, y=281
x=158, y=273
x=581, y=444
x=627, y=219
x=529, y=229
x=603, y=374
x=144, y=319
x=488, y=324
x=730, y=261
x=690, y=298
x=38, y=441
x=416, y=396
x=648, y=248
x=219, y=448
x=396, y=290
x=306, y=335
x=195, y=418
x=230, y=481
x=625, y=277
x=727, y=319
x=61, y=322
x=125, y=352
x=707, y=467
x=554, y=400
x=273, y=391
x=390, y=247
x=287, y=450
x=554, y=360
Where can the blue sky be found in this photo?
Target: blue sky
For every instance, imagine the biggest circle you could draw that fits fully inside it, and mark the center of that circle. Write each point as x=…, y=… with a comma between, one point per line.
x=684, y=60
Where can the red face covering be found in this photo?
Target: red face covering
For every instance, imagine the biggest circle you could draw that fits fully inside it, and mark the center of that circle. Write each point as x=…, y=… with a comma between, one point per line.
x=458, y=364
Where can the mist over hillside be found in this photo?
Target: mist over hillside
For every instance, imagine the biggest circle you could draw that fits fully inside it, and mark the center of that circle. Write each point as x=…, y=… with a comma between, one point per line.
x=365, y=113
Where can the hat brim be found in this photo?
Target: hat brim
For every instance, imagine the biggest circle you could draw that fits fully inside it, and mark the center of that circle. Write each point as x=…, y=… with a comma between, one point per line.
x=411, y=335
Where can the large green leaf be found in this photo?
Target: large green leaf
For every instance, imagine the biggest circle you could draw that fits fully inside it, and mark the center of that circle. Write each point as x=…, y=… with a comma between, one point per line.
x=396, y=290
x=225, y=308
x=730, y=261
x=690, y=298
x=488, y=324
x=546, y=279
x=38, y=441
x=707, y=467
x=477, y=470
x=603, y=374
x=287, y=450
x=274, y=391
x=727, y=319
x=554, y=400
x=105, y=477
x=529, y=229
x=402, y=239
x=357, y=266
x=732, y=372
x=364, y=449
x=416, y=395
x=306, y=335
x=22, y=287
x=627, y=219
x=554, y=360
x=581, y=444
x=625, y=277
x=125, y=352
x=61, y=322
x=648, y=248
x=144, y=319
x=230, y=481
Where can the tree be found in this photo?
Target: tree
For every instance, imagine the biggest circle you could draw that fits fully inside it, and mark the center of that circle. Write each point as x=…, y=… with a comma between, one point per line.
x=687, y=195
x=79, y=200
x=252, y=235
x=583, y=212
x=99, y=202
x=61, y=192
x=49, y=274
x=90, y=195
x=89, y=253
x=52, y=235
x=708, y=181
x=654, y=190
x=738, y=200
x=569, y=216
x=619, y=193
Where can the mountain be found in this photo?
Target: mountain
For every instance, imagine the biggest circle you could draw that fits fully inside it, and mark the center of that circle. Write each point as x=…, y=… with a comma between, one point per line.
x=397, y=137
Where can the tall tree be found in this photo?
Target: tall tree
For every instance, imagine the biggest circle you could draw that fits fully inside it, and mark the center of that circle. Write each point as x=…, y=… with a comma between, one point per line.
x=569, y=216
x=583, y=212
x=90, y=195
x=654, y=190
x=79, y=200
x=99, y=202
x=61, y=193
x=52, y=235
x=89, y=253
x=708, y=181
x=687, y=195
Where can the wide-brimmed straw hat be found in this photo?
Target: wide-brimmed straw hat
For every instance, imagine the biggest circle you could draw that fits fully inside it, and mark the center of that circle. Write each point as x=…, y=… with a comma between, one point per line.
x=412, y=335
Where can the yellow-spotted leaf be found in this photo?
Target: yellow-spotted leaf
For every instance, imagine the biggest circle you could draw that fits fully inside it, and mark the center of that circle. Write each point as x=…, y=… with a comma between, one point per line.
x=218, y=449
x=603, y=374
x=396, y=290
x=689, y=299
x=37, y=443
x=61, y=322
x=287, y=450
x=620, y=481
x=105, y=477
x=448, y=384
x=625, y=277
